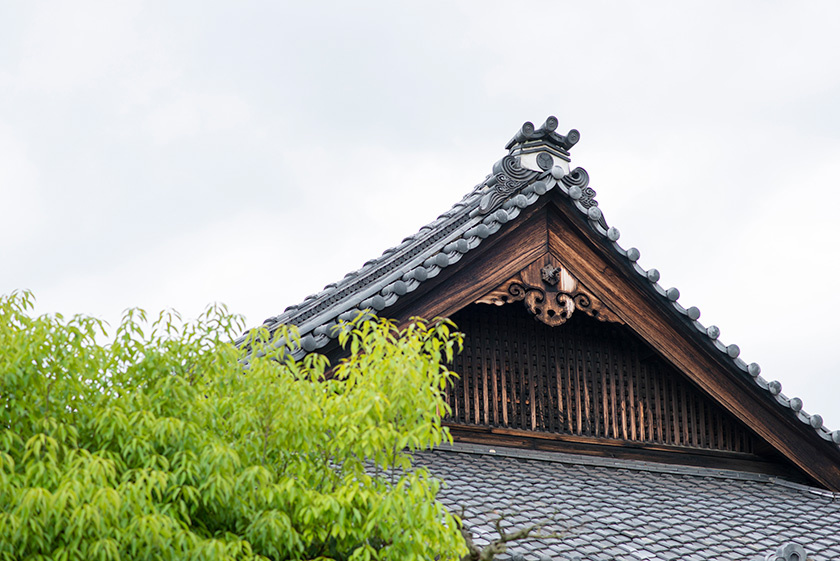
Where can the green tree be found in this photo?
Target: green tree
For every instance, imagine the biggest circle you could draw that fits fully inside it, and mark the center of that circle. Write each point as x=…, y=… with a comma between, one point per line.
x=172, y=443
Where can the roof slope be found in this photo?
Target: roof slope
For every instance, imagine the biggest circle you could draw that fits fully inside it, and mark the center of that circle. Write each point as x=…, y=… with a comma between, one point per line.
x=536, y=167
x=631, y=511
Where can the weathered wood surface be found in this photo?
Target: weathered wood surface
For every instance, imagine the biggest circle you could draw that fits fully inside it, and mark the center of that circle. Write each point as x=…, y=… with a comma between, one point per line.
x=595, y=368
x=626, y=450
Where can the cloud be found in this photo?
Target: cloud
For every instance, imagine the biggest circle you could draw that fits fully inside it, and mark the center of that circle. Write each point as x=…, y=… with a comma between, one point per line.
x=68, y=47
x=177, y=154
x=21, y=210
x=195, y=113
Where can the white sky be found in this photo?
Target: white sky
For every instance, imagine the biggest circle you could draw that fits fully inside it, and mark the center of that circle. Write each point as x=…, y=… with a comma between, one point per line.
x=162, y=154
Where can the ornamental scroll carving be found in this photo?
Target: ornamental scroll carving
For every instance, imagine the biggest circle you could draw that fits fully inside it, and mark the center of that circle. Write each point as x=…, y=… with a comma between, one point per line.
x=551, y=293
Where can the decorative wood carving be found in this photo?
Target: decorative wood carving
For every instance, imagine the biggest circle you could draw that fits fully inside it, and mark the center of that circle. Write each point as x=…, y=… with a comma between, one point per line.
x=551, y=293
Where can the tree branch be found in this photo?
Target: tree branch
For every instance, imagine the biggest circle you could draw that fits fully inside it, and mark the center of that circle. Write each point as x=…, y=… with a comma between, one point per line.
x=499, y=545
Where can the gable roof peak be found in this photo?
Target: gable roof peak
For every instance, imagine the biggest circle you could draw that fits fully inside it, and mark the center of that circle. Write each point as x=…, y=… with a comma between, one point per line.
x=542, y=149
x=518, y=181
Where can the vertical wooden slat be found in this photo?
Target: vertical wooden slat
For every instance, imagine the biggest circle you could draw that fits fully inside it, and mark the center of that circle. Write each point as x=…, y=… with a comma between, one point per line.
x=486, y=352
x=503, y=379
x=522, y=361
x=661, y=423
x=513, y=376
x=684, y=416
x=541, y=366
x=575, y=361
x=571, y=383
x=550, y=383
x=724, y=435
x=640, y=395
x=494, y=375
x=673, y=403
x=631, y=387
x=622, y=398
x=612, y=378
x=692, y=417
x=479, y=367
x=704, y=440
x=465, y=376
x=605, y=399
x=586, y=372
x=597, y=374
x=560, y=357
x=530, y=376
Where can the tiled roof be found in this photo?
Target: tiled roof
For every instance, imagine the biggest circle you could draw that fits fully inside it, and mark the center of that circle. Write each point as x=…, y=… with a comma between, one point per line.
x=499, y=199
x=626, y=510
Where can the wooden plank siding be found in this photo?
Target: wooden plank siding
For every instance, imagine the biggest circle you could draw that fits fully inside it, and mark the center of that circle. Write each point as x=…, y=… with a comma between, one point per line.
x=601, y=387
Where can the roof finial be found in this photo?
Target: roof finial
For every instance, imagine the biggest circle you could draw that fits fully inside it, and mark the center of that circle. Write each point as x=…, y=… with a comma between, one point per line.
x=546, y=134
x=541, y=149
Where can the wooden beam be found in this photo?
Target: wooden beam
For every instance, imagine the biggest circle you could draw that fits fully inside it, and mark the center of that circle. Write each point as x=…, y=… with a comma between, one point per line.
x=620, y=449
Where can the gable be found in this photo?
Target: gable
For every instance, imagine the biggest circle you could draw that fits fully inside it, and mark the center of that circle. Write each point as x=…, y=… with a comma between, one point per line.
x=550, y=233
x=533, y=212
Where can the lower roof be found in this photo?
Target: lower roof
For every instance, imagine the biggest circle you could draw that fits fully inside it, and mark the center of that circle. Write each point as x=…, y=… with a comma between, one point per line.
x=628, y=510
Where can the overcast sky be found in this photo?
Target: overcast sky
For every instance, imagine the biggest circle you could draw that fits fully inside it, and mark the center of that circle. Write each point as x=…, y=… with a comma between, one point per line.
x=173, y=154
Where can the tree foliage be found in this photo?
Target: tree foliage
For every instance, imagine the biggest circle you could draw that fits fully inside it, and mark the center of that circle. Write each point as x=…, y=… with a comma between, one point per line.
x=167, y=443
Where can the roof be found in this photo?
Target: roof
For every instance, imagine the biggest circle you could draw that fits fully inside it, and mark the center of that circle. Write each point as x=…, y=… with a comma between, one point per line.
x=627, y=510
x=537, y=166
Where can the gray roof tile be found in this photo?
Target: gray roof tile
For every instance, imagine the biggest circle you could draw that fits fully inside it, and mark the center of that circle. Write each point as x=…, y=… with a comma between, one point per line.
x=700, y=515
